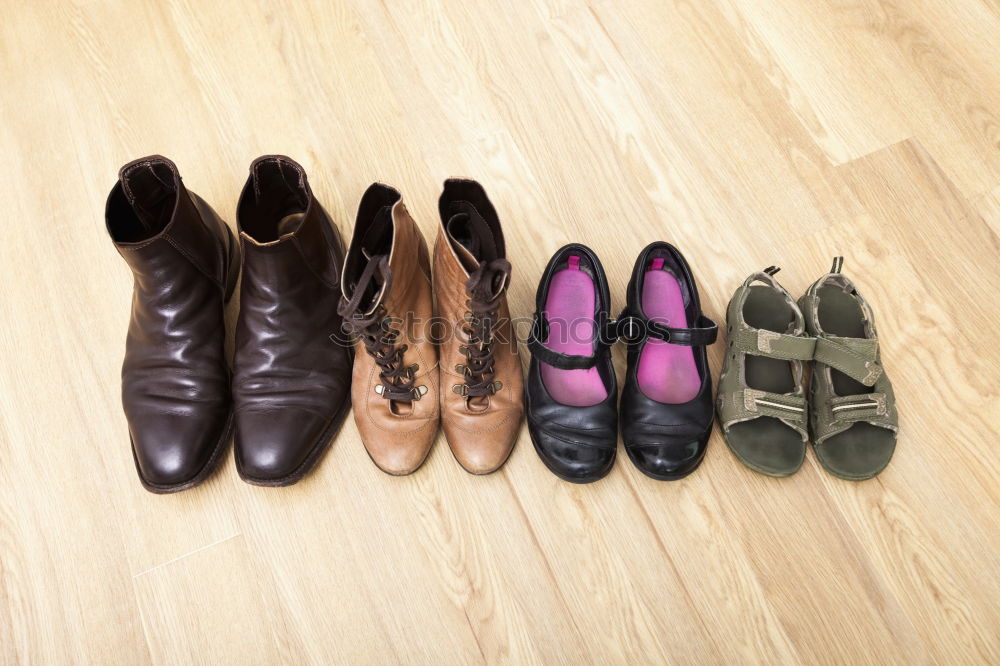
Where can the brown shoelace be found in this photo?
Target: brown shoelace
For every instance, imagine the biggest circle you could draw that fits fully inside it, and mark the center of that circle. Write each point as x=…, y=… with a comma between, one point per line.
x=485, y=287
x=376, y=333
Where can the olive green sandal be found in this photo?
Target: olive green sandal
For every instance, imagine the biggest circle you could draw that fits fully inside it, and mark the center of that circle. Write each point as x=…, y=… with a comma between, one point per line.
x=852, y=410
x=761, y=399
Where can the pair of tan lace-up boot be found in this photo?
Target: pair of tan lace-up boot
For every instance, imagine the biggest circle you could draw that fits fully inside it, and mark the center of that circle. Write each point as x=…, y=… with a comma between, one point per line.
x=413, y=370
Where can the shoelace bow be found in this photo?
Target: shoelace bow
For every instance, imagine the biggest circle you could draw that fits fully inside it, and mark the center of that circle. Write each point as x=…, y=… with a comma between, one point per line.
x=483, y=303
x=377, y=335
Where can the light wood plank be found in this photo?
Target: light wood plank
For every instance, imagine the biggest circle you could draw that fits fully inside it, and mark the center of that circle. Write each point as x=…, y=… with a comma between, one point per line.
x=748, y=134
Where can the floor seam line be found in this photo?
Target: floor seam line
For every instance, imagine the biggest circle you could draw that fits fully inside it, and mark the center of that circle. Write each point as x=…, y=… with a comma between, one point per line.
x=185, y=555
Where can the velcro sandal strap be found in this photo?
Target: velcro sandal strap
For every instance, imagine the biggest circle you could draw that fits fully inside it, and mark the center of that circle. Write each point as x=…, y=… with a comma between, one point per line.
x=761, y=342
x=539, y=330
x=863, y=407
x=778, y=405
x=637, y=328
x=855, y=357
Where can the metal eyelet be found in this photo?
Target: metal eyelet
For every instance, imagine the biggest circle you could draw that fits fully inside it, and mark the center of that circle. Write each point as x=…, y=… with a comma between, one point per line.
x=497, y=385
x=419, y=392
x=460, y=389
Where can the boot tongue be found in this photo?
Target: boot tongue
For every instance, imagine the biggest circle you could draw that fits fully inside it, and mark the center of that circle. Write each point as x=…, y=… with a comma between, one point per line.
x=374, y=293
x=376, y=245
x=488, y=281
x=470, y=236
x=378, y=239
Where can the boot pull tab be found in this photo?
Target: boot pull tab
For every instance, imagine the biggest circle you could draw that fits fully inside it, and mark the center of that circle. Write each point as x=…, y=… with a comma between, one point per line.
x=139, y=170
x=838, y=263
x=771, y=270
x=146, y=188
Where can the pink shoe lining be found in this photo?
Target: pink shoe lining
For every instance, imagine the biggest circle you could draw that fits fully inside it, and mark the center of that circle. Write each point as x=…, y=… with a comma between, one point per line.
x=667, y=373
x=570, y=307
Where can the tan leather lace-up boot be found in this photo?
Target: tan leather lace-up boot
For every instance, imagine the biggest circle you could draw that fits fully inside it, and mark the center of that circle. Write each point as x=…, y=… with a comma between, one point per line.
x=387, y=306
x=481, y=381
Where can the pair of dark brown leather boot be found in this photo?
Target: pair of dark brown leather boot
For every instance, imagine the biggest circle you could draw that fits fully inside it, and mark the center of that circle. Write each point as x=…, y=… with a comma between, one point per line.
x=290, y=386
x=413, y=371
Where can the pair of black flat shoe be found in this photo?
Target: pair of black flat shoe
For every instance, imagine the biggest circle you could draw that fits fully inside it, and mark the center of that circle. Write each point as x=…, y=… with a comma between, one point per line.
x=571, y=394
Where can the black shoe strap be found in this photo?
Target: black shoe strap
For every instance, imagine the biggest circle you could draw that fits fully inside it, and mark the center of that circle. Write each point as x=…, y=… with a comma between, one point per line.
x=608, y=333
x=635, y=329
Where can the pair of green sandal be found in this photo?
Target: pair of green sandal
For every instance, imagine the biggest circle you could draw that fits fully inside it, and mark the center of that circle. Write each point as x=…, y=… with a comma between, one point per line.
x=765, y=415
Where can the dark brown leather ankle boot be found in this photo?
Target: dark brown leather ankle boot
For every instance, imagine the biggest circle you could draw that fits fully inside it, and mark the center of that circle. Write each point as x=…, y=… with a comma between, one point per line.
x=387, y=307
x=292, y=369
x=481, y=383
x=175, y=380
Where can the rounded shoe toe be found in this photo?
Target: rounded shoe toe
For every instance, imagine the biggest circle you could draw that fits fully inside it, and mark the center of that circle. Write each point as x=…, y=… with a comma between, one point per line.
x=171, y=451
x=667, y=461
x=272, y=445
x=483, y=450
x=171, y=465
x=481, y=458
x=573, y=461
x=400, y=460
x=401, y=453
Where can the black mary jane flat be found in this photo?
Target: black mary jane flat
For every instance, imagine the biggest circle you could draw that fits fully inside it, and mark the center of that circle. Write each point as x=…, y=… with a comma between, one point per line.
x=666, y=406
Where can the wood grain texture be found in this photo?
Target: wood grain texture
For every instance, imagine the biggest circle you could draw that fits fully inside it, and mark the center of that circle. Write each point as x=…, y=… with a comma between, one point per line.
x=748, y=133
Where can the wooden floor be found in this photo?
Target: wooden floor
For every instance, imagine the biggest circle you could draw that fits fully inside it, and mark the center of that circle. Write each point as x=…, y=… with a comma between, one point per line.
x=748, y=133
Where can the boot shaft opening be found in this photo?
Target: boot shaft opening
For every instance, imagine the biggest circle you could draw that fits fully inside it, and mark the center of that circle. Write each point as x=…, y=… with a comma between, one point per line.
x=143, y=201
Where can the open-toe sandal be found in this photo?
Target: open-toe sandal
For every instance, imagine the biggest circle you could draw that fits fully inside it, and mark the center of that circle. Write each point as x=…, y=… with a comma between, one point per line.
x=761, y=399
x=852, y=410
